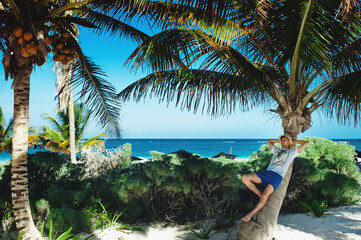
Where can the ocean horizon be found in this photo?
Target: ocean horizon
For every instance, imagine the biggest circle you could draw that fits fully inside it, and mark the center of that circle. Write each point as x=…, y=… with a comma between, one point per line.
x=141, y=147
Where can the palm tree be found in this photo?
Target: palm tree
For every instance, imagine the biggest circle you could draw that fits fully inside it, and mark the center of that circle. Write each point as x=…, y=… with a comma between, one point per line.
x=298, y=56
x=65, y=101
x=58, y=139
x=29, y=31
x=5, y=132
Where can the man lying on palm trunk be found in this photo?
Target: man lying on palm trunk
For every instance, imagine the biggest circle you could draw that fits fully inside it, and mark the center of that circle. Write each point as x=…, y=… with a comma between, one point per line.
x=276, y=170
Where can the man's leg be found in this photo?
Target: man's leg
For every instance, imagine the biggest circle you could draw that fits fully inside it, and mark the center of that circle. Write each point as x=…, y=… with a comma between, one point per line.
x=262, y=201
x=249, y=180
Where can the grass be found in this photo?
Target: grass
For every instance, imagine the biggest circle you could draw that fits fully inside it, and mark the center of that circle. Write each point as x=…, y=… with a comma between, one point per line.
x=318, y=209
x=64, y=236
x=202, y=232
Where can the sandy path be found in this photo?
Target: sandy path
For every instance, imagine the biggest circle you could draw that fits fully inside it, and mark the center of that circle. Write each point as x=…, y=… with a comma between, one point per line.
x=342, y=223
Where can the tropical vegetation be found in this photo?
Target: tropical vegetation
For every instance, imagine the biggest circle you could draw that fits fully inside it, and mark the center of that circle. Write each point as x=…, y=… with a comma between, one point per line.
x=5, y=132
x=293, y=57
x=57, y=139
x=167, y=188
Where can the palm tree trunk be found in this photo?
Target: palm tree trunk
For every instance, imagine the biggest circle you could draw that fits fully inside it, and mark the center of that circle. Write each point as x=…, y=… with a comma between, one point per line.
x=64, y=80
x=264, y=222
x=71, y=126
x=19, y=169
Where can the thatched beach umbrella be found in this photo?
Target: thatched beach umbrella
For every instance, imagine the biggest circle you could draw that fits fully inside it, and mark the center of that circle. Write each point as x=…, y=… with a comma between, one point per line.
x=182, y=152
x=223, y=154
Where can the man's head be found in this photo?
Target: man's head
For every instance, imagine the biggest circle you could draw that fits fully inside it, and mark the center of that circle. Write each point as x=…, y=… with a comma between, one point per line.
x=286, y=140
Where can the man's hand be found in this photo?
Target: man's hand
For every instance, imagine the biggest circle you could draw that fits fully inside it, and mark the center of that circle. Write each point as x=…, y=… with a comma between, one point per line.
x=271, y=142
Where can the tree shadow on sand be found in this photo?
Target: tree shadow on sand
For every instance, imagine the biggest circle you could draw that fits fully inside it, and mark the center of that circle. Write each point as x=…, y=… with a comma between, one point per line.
x=340, y=223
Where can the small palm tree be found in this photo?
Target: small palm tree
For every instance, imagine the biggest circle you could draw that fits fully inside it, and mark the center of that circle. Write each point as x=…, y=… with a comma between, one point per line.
x=58, y=139
x=5, y=133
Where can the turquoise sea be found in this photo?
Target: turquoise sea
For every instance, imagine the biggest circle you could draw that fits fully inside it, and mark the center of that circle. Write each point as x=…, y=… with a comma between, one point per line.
x=242, y=148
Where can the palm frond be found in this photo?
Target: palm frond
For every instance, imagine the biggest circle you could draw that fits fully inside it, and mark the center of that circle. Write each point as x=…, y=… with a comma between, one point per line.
x=99, y=95
x=322, y=36
x=82, y=117
x=115, y=27
x=58, y=126
x=94, y=143
x=343, y=99
x=76, y=20
x=213, y=92
x=49, y=133
x=9, y=128
x=15, y=9
x=54, y=146
x=348, y=59
x=67, y=7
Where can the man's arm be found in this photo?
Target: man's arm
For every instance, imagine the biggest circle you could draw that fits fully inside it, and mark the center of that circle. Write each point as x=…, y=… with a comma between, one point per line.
x=271, y=142
x=304, y=144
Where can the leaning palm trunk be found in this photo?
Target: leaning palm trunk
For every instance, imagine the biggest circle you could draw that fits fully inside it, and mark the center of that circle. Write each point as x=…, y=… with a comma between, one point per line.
x=19, y=170
x=264, y=222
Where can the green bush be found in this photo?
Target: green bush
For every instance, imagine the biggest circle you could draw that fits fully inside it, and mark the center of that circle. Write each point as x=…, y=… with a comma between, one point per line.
x=66, y=217
x=179, y=186
x=173, y=185
x=324, y=171
x=5, y=188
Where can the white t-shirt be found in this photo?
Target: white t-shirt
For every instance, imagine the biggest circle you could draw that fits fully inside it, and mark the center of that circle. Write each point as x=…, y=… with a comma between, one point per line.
x=282, y=159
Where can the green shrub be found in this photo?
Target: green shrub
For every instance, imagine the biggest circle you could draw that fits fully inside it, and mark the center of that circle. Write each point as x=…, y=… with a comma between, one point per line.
x=67, y=217
x=172, y=185
x=325, y=170
x=5, y=188
x=58, y=196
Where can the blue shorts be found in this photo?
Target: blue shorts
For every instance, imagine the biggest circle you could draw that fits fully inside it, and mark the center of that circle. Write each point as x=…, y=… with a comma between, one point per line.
x=270, y=177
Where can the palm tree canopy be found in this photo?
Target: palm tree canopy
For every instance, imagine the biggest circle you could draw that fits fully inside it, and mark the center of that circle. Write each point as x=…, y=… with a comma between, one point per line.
x=31, y=30
x=250, y=53
x=57, y=137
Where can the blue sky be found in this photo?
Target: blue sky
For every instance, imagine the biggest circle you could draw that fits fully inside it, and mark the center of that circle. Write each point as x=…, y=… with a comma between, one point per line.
x=150, y=119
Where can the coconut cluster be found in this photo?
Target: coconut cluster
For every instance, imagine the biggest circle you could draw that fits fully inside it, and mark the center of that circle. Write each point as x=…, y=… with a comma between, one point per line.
x=60, y=44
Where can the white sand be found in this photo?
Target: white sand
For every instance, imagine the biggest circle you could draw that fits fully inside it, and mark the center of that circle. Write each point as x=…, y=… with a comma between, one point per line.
x=342, y=223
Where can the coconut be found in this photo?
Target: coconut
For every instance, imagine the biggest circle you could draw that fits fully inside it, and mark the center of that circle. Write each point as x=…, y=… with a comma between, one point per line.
x=32, y=48
x=64, y=61
x=28, y=36
x=66, y=35
x=66, y=50
x=21, y=41
x=59, y=45
x=61, y=56
x=18, y=31
x=47, y=40
x=25, y=53
x=56, y=58
x=69, y=57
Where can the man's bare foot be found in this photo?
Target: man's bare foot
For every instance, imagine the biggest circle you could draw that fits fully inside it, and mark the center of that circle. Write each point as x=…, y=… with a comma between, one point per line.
x=247, y=218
